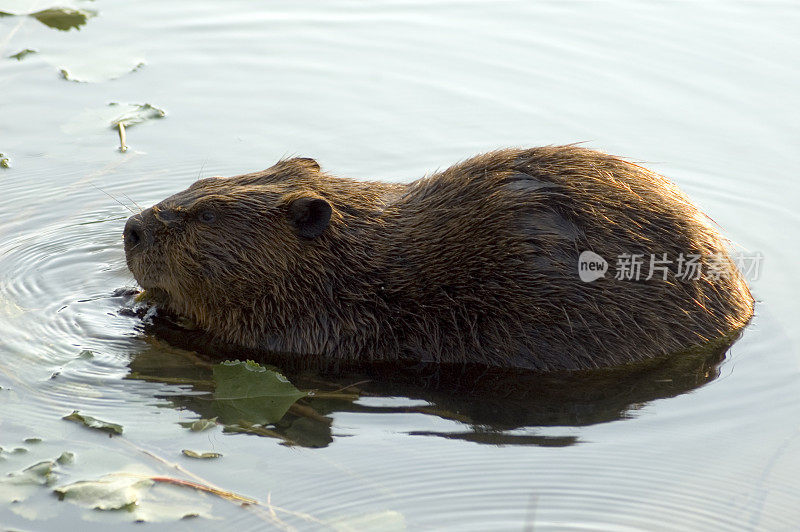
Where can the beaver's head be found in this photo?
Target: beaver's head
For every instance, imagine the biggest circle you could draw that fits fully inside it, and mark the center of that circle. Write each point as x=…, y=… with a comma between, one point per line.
x=224, y=243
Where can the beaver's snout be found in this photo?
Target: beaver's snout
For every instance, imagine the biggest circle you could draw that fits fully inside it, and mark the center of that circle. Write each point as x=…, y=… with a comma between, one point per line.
x=137, y=235
x=133, y=232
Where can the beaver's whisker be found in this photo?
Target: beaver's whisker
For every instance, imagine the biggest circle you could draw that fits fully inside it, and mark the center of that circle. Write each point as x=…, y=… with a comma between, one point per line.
x=202, y=167
x=115, y=199
x=137, y=205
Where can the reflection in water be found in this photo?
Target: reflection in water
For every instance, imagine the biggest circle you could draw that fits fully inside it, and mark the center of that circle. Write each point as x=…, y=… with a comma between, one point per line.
x=493, y=404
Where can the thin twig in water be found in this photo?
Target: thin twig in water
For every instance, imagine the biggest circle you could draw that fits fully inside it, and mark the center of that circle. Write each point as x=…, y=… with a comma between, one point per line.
x=122, y=146
x=256, y=506
x=229, y=495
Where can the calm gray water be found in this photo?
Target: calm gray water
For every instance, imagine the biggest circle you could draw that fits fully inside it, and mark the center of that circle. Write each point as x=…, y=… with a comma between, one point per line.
x=703, y=92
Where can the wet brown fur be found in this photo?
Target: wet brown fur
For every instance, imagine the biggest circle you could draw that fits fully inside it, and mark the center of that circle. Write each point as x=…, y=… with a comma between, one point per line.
x=477, y=263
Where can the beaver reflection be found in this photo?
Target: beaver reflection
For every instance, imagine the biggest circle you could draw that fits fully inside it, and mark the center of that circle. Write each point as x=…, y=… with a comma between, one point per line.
x=489, y=402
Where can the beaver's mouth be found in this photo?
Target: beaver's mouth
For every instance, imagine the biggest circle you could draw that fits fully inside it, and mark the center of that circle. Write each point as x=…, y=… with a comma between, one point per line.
x=156, y=295
x=148, y=273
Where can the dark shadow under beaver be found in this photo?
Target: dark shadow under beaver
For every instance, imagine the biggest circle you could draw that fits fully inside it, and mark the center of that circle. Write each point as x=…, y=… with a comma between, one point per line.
x=489, y=401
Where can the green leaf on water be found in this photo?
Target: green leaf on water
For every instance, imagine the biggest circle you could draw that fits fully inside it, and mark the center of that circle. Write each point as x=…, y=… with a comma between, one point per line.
x=63, y=18
x=94, y=423
x=246, y=391
x=4, y=161
x=195, y=454
x=22, y=54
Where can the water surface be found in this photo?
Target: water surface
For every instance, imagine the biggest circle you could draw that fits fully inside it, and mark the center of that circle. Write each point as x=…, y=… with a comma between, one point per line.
x=705, y=93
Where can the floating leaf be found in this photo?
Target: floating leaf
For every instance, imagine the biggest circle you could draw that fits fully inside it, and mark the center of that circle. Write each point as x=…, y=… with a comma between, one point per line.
x=201, y=424
x=32, y=440
x=195, y=454
x=96, y=69
x=111, y=116
x=22, y=54
x=20, y=485
x=96, y=65
x=4, y=162
x=94, y=423
x=40, y=473
x=63, y=18
x=66, y=458
x=137, y=497
x=132, y=114
x=246, y=391
x=108, y=493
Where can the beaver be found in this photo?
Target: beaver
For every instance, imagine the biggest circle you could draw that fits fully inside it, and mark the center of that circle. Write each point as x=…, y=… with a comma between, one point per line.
x=476, y=264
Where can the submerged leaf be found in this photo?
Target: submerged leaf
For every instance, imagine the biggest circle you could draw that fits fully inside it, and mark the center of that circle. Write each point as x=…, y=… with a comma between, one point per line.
x=94, y=423
x=246, y=391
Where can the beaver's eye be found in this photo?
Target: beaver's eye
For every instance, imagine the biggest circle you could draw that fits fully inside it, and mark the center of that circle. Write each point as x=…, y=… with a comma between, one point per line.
x=207, y=217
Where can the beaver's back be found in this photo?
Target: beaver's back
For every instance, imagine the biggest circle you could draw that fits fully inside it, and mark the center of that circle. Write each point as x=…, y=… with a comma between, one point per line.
x=487, y=251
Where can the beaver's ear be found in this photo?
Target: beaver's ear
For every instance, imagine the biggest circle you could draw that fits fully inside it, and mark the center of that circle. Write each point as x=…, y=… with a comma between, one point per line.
x=310, y=216
x=307, y=162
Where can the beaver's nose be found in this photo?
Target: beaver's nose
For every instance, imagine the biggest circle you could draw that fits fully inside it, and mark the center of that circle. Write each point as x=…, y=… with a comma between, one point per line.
x=133, y=231
x=136, y=235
